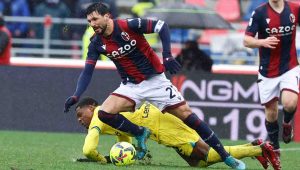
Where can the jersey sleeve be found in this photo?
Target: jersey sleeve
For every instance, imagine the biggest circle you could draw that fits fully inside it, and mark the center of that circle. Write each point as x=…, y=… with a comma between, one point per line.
x=252, y=27
x=85, y=77
x=145, y=26
x=90, y=145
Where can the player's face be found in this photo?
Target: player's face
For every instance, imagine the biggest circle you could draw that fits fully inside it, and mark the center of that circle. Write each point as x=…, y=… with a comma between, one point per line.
x=98, y=22
x=84, y=115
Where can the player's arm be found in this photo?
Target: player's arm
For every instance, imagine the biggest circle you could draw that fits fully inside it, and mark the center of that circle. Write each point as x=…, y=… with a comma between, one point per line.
x=85, y=77
x=87, y=73
x=269, y=42
x=148, y=26
x=251, y=31
x=90, y=146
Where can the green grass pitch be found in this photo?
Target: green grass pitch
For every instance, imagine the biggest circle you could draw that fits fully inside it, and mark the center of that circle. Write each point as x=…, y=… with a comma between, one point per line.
x=43, y=151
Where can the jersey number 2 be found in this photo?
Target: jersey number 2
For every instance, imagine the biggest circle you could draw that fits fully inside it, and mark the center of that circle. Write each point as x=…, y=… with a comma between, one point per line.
x=171, y=92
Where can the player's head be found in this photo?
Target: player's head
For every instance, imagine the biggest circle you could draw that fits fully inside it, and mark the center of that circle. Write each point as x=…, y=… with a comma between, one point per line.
x=84, y=111
x=98, y=16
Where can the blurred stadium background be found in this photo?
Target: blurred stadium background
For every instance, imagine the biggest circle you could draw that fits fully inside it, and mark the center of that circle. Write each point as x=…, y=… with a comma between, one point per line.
x=46, y=59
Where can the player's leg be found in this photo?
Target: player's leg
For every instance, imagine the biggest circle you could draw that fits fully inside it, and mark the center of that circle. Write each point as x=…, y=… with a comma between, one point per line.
x=269, y=91
x=109, y=114
x=208, y=136
x=289, y=102
x=202, y=155
x=271, y=123
x=166, y=97
x=195, y=155
x=289, y=86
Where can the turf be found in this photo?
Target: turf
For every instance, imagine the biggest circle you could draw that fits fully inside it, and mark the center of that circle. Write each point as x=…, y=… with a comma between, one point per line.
x=40, y=150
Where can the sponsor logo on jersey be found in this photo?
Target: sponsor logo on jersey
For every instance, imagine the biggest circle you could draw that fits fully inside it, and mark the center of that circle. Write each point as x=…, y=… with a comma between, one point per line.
x=125, y=36
x=281, y=30
x=123, y=51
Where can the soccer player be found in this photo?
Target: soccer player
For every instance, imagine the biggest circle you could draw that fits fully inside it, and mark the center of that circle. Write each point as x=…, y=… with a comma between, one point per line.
x=167, y=130
x=276, y=22
x=142, y=75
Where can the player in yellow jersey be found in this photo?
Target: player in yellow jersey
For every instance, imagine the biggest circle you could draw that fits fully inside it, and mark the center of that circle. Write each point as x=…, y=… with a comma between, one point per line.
x=167, y=130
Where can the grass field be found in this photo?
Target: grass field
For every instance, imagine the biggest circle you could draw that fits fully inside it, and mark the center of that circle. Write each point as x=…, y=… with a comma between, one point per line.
x=43, y=151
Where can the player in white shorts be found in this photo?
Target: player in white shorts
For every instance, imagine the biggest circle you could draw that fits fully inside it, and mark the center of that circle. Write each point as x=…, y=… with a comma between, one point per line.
x=142, y=74
x=163, y=94
x=271, y=88
x=272, y=29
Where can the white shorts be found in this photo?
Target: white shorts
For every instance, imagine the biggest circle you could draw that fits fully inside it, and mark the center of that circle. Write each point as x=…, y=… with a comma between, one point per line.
x=270, y=88
x=157, y=90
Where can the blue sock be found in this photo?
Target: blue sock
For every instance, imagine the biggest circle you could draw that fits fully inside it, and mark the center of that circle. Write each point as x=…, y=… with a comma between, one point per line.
x=207, y=135
x=288, y=116
x=273, y=131
x=120, y=122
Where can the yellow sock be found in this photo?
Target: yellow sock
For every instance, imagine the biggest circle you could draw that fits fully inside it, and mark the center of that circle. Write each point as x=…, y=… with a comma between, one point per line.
x=239, y=152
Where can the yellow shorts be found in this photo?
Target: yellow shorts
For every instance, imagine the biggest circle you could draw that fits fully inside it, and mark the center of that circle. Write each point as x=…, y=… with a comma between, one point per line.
x=174, y=133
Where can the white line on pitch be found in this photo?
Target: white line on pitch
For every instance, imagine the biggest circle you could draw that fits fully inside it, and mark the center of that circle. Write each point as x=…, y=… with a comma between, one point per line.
x=227, y=104
x=290, y=149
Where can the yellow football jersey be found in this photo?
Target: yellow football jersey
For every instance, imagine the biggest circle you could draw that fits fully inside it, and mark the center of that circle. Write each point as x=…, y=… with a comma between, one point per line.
x=165, y=128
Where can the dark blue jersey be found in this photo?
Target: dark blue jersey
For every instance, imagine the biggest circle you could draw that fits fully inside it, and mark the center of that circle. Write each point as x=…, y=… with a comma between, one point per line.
x=267, y=22
x=128, y=49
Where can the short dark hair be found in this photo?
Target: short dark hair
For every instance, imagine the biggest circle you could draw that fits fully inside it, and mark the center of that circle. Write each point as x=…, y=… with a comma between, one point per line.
x=86, y=101
x=99, y=7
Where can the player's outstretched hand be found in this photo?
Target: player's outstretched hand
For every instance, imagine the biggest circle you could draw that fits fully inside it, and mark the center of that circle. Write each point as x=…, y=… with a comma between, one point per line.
x=70, y=101
x=171, y=65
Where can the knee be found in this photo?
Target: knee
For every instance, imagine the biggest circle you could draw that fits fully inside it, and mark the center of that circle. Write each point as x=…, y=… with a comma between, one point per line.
x=181, y=112
x=271, y=113
x=200, y=151
x=289, y=105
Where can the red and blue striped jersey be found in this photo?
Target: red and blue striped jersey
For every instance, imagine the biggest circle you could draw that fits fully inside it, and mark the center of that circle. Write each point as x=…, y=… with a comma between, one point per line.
x=267, y=22
x=128, y=49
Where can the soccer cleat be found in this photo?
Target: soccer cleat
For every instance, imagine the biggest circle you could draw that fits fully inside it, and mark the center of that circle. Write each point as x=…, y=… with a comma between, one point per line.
x=277, y=153
x=263, y=161
x=235, y=163
x=287, y=132
x=141, y=143
x=270, y=155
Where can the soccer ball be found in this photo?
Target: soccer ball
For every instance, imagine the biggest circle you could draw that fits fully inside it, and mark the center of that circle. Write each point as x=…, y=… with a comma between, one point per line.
x=122, y=153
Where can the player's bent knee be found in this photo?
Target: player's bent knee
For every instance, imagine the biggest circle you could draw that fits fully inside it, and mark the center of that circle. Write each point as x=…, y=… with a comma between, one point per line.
x=199, y=153
x=290, y=106
x=181, y=112
x=86, y=151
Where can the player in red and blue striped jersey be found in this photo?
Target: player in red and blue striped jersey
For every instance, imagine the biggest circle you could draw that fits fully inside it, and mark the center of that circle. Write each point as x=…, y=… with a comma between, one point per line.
x=275, y=23
x=143, y=77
